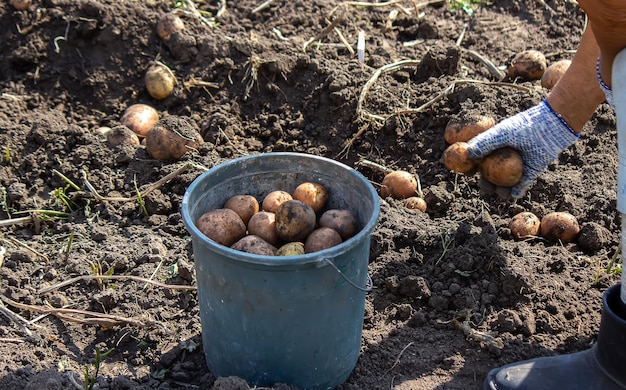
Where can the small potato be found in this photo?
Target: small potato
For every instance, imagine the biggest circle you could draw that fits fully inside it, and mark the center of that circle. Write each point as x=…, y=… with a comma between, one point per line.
x=255, y=245
x=263, y=224
x=171, y=138
x=313, y=194
x=140, y=118
x=503, y=167
x=524, y=225
x=291, y=249
x=398, y=185
x=159, y=81
x=455, y=158
x=527, y=65
x=222, y=226
x=559, y=226
x=554, y=72
x=415, y=203
x=294, y=220
x=168, y=24
x=274, y=199
x=244, y=205
x=320, y=239
x=465, y=128
x=122, y=135
x=20, y=5
x=343, y=221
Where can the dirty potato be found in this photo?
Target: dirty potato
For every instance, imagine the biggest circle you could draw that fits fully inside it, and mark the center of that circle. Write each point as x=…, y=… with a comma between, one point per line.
x=222, y=226
x=255, y=245
x=171, y=138
x=455, y=158
x=274, y=199
x=466, y=127
x=398, y=185
x=524, y=225
x=343, y=221
x=294, y=220
x=320, y=239
x=559, y=226
x=313, y=194
x=291, y=249
x=503, y=167
x=244, y=205
x=263, y=224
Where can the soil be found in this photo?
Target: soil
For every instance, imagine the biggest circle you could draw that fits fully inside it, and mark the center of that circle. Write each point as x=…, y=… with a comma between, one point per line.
x=454, y=294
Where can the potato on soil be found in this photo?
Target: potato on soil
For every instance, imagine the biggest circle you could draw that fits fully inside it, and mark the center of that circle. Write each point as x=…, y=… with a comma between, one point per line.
x=274, y=199
x=313, y=194
x=263, y=224
x=291, y=249
x=528, y=65
x=122, y=135
x=465, y=128
x=554, y=72
x=244, y=205
x=255, y=245
x=524, y=225
x=168, y=24
x=502, y=167
x=343, y=221
x=320, y=239
x=455, y=158
x=140, y=118
x=20, y=5
x=295, y=220
x=222, y=226
x=159, y=81
x=559, y=226
x=171, y=138
x=398, y=185
x=415, y=203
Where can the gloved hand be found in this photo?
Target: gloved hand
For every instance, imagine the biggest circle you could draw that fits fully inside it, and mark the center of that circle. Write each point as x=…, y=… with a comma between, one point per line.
x=608, y=92
x=539, y=134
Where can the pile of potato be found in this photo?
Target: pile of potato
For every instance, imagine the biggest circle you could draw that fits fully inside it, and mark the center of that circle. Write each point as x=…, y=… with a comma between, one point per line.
x=281, y=224
x=503, y=168
x=557, y=226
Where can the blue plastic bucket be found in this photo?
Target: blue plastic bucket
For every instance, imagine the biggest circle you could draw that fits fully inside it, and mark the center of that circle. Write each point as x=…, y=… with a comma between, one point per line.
x=269, y=319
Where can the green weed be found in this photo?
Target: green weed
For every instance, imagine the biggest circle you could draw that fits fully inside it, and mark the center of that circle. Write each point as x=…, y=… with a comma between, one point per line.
x=466, y=6
x=90, y=380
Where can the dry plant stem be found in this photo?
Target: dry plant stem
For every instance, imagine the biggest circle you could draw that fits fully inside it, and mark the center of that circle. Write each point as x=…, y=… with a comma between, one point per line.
x=262, y=6
x=374, y=166
x=344, y=41
x=20, y=322
x=221, y=10
x=386, y=68
x=21, y=244
x=115, y=277
x=145, y=192
x=324, y=32
x=417, y=6
x=91, y=318
x=398, y=358
x=493, y=70
x=16, y=221
x=8, y=340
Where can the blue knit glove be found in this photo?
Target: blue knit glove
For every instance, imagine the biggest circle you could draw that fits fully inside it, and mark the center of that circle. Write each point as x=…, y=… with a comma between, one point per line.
x=608, y=92
x=539, y=134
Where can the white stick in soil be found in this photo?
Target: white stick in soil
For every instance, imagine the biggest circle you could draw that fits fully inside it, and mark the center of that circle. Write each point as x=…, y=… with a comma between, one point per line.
x=619, y=95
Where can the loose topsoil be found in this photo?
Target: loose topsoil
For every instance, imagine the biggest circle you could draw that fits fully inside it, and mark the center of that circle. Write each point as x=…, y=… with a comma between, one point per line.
x=454, y=294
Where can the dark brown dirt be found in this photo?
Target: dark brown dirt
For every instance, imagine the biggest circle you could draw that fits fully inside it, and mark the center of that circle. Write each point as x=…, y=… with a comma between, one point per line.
x=249, y=84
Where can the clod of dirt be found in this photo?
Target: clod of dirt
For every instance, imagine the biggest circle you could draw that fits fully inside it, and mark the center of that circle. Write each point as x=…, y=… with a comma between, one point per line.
x=594, y=236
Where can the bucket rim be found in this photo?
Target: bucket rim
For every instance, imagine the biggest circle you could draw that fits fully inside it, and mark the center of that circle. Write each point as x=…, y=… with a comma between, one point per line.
x=319, y=257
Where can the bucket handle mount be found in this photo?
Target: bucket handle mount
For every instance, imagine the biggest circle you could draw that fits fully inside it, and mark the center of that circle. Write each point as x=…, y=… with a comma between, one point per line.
x=368, y=286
